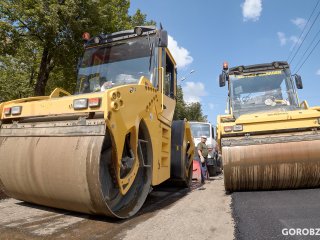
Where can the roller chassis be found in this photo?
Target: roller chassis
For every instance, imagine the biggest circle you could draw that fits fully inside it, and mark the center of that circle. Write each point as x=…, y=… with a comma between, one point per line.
x=98, y=160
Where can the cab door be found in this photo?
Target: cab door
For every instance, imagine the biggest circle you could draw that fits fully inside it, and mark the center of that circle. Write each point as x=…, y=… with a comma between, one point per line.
x=168, y=85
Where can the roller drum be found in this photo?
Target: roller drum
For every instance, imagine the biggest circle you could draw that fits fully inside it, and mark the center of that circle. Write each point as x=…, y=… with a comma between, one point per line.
x=74, y=172
x=286, y=165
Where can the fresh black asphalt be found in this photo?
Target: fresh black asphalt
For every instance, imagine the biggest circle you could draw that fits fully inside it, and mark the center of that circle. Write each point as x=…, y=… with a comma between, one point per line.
x=268, y=214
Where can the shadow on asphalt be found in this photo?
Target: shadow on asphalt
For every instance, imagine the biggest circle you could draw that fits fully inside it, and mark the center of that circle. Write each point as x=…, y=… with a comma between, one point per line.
x=161, y=197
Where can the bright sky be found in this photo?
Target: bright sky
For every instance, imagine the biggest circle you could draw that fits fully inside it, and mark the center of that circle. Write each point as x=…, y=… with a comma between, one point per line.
x=204, y=34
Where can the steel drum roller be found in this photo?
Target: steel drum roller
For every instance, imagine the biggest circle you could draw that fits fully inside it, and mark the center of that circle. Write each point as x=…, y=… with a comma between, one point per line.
x=285, y=165
x=73, y=172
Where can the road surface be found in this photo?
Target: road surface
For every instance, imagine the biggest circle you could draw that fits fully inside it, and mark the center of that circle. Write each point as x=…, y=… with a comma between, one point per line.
x=169, y=213
x=289, y=214
x=172, y=213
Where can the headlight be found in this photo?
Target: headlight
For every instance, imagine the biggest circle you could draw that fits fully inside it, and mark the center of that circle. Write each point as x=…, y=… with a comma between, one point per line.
x=81, y=103
x=16, y=110
x=237, y=128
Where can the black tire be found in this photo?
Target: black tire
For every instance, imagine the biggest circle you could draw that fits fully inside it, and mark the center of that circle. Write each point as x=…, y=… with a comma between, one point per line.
x=181, y=163
x=212, y=170
x=219, y=164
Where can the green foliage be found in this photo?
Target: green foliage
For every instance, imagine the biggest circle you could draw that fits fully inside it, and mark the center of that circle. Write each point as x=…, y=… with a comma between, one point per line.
x=14, y=80
x=180, y=111
x=194, y=112
x=46, y=37
x=190, y=111
x=17, y=73
x=139, y=19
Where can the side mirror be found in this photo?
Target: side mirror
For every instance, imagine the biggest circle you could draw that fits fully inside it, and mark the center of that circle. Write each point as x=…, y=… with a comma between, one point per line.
x=222, y=79
x=298, y=81
x=163, y=38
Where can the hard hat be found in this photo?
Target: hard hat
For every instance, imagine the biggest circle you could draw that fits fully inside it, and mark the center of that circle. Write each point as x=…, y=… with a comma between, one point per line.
x=204, y=136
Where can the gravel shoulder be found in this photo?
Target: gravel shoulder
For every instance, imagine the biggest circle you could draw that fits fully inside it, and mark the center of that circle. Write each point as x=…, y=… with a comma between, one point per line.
x=201, y=214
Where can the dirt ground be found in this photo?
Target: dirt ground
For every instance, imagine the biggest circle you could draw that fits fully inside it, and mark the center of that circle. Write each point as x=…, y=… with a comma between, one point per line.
x=169, y=213
x=202, y=214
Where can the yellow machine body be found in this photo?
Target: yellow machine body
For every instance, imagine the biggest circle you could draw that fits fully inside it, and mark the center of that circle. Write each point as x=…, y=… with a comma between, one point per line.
x=99, y=160
x=270, y=149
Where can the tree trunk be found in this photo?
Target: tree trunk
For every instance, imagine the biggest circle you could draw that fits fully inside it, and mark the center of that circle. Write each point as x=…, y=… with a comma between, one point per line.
x=45, y=68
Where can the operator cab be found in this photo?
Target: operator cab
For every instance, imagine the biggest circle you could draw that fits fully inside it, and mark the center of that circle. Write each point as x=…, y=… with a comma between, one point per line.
x=261, y=88
x=122, y=58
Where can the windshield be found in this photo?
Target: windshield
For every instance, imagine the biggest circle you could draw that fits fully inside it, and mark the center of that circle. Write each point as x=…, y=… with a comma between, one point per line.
x=115, y=64
x=200, y=129
x=265, y=91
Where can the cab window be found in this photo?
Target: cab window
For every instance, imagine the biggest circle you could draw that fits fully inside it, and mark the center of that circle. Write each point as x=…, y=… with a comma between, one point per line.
x=168, y=74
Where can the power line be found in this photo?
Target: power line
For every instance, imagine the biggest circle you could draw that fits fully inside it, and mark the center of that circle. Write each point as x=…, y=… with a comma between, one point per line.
x=308, y=55
x=307, y=49
x=303, y=30
x=305, y=37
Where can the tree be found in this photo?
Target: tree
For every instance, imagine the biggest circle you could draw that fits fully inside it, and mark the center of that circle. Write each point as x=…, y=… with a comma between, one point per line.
x=55, y=28
x=17, y=73
x=180, y=110
x=194, y=112
x=139, y=19
x=13, y=80
x=190, y=111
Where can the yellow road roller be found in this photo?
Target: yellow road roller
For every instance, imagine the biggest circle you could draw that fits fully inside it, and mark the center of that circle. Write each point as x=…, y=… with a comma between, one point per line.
x=101, y=150
x=268, y=139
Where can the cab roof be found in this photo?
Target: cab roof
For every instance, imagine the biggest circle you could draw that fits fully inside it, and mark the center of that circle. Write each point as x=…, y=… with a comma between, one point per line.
x=258, y=67
x=117, y=36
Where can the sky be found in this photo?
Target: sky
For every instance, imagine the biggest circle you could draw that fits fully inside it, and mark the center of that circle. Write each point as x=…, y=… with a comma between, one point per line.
x=205, y=33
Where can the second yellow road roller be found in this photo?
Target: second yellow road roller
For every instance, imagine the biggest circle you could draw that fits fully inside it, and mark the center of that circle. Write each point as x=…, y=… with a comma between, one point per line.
x=269, y=140
x=100, y=150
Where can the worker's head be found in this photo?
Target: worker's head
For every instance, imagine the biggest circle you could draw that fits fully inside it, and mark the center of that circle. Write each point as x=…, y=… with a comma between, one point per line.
x=203, y=139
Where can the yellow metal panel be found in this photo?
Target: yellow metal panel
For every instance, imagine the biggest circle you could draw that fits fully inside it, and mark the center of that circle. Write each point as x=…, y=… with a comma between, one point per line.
x=275, y=125
x=54, y=106
x=1, y=108
x=161, y=167
x=127, y=105
x=276, y=116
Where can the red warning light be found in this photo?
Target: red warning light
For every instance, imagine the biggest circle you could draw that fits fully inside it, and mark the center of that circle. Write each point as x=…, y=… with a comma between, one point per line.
x=225, y=66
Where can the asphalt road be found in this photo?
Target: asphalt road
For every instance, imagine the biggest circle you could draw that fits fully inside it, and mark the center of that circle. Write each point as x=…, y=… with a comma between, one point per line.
x=21, y=220
x=168, y=213
x=289, y=214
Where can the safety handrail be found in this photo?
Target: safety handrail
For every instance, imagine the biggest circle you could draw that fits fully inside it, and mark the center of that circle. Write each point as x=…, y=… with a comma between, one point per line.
x=56, y=93
x=162, y=88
